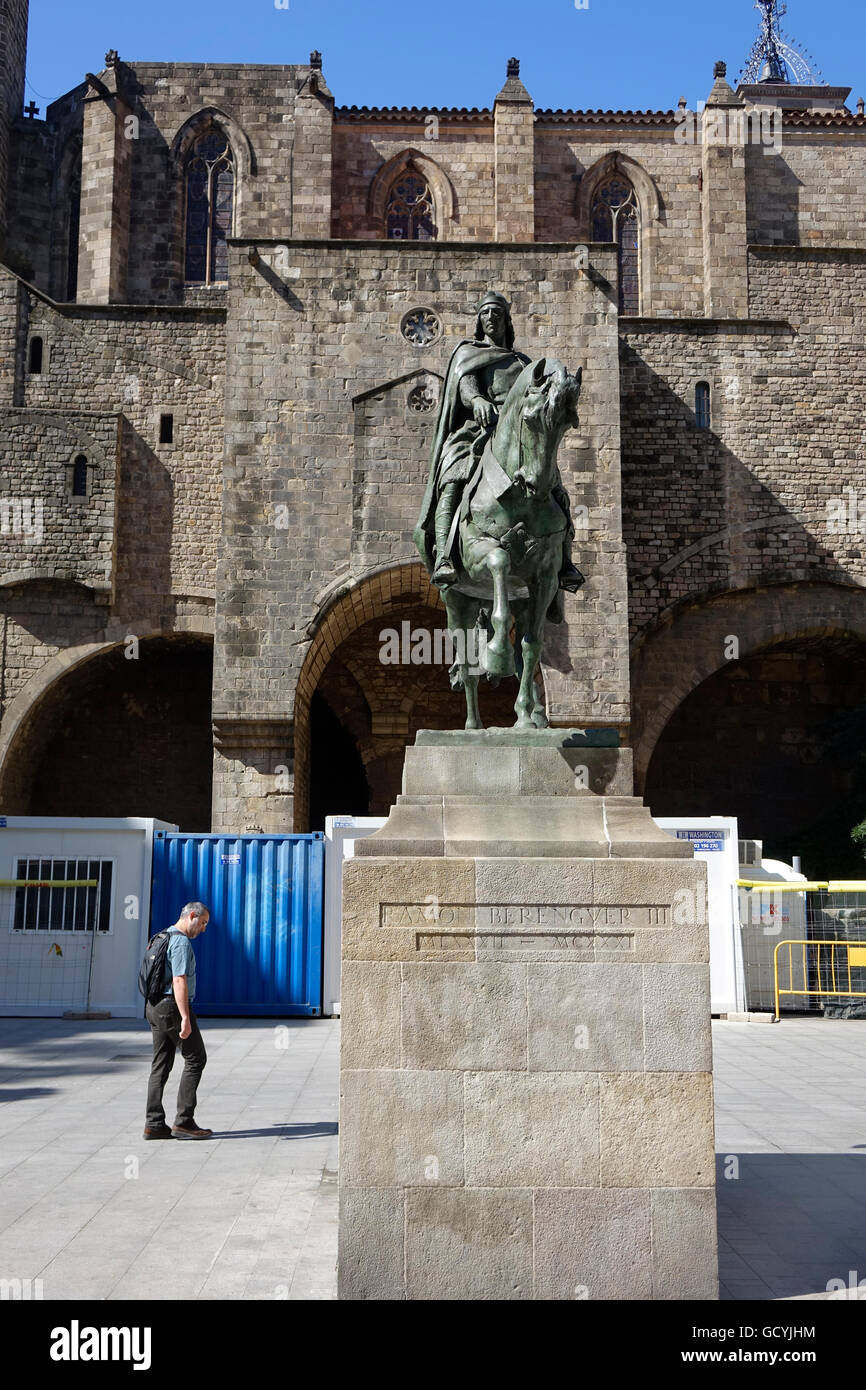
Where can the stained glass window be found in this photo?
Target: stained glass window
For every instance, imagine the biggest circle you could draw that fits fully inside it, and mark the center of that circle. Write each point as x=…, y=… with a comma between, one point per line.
x=409, y=215
x=210, y=186
x=615, y=217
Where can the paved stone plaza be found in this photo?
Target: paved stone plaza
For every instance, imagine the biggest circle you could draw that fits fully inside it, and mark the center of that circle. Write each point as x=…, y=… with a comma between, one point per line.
x=253, y=1213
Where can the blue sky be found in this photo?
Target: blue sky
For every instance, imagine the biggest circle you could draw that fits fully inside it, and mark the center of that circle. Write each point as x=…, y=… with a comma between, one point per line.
x=615, y=53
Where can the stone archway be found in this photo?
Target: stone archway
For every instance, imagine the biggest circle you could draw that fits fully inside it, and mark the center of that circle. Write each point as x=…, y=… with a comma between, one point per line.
x=378, y=704
x=103, y=732
x=771, y=733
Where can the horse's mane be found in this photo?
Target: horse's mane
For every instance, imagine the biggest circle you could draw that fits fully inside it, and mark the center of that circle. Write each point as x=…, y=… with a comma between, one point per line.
x=507, y=434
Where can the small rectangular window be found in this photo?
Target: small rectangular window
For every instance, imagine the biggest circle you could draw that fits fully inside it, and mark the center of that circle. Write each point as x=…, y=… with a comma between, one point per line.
x=702, y=405
x=166, y=429
x=34, y=363
x=46, y=903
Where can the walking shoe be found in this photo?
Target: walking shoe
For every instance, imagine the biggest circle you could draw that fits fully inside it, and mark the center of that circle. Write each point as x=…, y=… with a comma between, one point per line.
x=190, y=1130
x=160, y=1132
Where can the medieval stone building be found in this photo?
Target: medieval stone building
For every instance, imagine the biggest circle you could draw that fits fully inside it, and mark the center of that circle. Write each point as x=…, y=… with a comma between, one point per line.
x=226, y=307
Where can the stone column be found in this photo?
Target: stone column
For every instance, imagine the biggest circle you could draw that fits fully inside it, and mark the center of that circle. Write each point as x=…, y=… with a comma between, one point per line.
x=514, y=137
x=103, y=241
x=254, y=776
x=312, y=155
x=723, y=203
x=526, y=1070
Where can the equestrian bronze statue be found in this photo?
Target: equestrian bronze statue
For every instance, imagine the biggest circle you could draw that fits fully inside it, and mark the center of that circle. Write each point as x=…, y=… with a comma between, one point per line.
x=495, y=529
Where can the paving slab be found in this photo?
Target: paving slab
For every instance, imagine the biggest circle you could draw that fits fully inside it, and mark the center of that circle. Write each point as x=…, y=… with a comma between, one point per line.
x=791, y=1109
x=95, y=1212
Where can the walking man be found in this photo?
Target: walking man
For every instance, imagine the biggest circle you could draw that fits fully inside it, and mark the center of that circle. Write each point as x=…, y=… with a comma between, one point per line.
x=172, y=1021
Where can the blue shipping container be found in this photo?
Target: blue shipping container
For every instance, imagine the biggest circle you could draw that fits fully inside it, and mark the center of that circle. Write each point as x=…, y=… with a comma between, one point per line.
x=262, y=950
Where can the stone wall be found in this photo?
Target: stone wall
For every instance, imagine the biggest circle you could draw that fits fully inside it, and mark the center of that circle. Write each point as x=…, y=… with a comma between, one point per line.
x=303, y=511
x=462, y=150
x=567, y=149
x=255, y=105
x=812, y=191
x=147, y=364
x=764, y=495
x=319, y=426
x=13, y=55
x=134, y=557
x=45, y=531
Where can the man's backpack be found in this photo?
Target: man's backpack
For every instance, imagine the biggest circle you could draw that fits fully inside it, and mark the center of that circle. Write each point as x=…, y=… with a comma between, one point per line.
x=151, y=976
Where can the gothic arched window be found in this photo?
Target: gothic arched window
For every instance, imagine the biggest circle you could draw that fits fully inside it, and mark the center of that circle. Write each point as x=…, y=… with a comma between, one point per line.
x=409, y=213
x=616, y=217
x=210, y=188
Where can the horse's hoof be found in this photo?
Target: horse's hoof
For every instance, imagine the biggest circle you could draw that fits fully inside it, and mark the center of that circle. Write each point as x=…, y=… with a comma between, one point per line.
x=473, y=724
x=540, y=719
x=498, y=661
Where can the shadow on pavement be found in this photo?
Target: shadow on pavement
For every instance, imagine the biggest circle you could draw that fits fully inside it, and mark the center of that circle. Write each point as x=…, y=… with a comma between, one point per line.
x=25, y=1093
x=790, y=1223
x=309, y=1131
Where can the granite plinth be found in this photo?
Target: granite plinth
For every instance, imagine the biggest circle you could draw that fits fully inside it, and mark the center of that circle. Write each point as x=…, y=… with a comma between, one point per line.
x=517, y=738
x=526, y=1069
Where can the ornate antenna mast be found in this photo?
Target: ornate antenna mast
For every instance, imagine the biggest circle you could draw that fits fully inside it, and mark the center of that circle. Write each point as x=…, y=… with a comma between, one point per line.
x=776, y=59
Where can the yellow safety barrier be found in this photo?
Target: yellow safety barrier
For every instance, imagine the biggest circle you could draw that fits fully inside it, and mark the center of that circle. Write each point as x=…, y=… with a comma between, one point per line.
x=49, y=882
x=823, y=885
x=839, y=971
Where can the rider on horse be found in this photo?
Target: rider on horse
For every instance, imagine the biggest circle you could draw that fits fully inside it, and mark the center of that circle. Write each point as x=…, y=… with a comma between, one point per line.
x=479, y=377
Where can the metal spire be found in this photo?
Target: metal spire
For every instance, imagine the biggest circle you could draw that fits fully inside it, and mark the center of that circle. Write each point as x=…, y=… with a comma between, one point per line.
x=773, y=58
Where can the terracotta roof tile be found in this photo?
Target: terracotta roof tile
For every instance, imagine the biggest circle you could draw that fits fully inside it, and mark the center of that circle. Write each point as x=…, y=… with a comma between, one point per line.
x=410, y=113
x=793, y=116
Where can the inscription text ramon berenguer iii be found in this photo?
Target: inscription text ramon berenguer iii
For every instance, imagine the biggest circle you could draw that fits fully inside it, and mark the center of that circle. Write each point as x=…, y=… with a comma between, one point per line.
x=477, y=916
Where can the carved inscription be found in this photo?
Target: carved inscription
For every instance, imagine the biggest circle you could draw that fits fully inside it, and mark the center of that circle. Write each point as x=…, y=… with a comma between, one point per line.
x=489, y=941
x=480, y=918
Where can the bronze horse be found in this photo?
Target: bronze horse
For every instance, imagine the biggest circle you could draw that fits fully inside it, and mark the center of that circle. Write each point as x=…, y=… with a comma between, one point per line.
x=509, y=537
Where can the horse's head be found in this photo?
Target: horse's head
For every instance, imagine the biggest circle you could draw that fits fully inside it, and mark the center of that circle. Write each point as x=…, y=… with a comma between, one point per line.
x=544, y=407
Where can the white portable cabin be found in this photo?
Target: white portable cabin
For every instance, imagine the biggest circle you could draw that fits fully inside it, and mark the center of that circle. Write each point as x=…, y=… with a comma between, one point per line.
x=714, y=840
x=341, y=832
x=74, y=914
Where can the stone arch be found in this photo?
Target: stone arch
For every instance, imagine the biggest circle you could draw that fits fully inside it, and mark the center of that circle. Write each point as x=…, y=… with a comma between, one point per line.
x=32, y=718
x=393, y=701
x=196, y=124
x=649, y=207
x=440, y=186
x=688, y=645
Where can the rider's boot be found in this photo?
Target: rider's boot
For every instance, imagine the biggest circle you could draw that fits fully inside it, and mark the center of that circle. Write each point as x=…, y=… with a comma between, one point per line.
x=570, y=577
x=445, y=573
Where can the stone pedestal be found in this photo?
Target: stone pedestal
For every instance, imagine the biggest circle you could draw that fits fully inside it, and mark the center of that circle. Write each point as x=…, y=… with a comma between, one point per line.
x=526, y=1091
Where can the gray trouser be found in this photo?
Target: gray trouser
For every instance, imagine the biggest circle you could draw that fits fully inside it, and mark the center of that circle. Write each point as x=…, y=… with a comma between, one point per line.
x=164, y=1020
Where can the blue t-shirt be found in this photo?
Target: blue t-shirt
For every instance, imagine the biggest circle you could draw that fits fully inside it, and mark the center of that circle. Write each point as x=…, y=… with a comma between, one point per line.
x=179, y=960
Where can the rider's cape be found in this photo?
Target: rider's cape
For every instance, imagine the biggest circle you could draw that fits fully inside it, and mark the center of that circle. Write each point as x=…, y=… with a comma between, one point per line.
x=468, y=356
